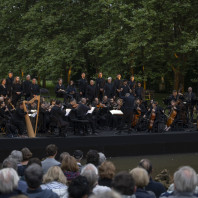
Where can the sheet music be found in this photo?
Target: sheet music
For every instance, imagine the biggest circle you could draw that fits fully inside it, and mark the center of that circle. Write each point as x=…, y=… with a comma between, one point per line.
x=67, y=112
x=116, y=112
x=33, y=115
x=91, y=110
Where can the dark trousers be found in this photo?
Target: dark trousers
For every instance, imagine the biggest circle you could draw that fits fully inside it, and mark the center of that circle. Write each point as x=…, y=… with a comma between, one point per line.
x=127, y=118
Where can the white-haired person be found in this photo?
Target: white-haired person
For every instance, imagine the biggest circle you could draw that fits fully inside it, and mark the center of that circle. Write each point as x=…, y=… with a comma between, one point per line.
x=91, y=173
x=185, y=183
x=141, y=179
x=56, y=181
x=9, y=183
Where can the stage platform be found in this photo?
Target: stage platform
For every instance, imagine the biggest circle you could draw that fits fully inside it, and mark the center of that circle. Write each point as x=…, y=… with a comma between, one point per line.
x=109, y=143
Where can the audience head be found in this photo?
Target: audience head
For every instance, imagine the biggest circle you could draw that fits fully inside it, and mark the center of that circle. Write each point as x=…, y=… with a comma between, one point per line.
x=16, y=155
x=124, y=183
x=9, y=180
x=51, y=150
x=27, y=154
x=102, y=158
x=79, y=188
x=34, y=176
x=54, y=174
x=69, y=164
x=91, y=173
x=10, y=163
x=78, y=154
x=63, y=155
x=34, y=160
x=146, y=164
x=185, y=180
x=107, y=170
x=93, y=157
x=140, y=177
x=107, y=194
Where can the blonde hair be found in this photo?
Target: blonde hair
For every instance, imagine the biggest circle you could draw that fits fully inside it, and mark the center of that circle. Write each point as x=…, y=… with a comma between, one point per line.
x=54, y=174
x=69, y=163
x=140, y=177
x=107, y=170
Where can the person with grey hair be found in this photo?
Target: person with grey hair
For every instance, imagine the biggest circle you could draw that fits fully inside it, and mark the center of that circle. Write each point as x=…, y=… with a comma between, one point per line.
x=185, y=182
x=109, y=88
x=34, y=176
x=91, y=173
x=17, y=156
x=109, y=194
x=9, y=183
x=102, y=158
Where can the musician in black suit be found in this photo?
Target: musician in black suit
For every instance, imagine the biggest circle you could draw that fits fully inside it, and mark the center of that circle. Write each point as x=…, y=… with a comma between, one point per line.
x=3, y=89
x=117, y=85
x=109, y=88
x=17, y=91
x=35, y=89
x=9, y=83
x=124, y=89
x=82, y=85
x=190, y=98
x=139, y=91
x=91, y=92
x=100, y=83
x=27, y=87
x=60, y=90
x=132, y=83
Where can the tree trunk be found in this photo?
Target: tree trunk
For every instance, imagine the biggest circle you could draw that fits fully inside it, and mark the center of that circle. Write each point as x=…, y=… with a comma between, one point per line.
x=44, y=82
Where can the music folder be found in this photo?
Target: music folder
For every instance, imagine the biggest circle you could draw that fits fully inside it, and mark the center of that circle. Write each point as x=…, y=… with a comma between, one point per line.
x=116, y=112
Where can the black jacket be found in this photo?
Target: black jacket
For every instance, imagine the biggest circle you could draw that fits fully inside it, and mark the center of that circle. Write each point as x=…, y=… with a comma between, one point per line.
x=109, y=90
x=58, y=87
x=100, y=83
x=18, y=115
x=139, y=91
x=27, y=87
x=91, y=92
x=3, y=90
x=9, y=83
x=82, y=85
x=17, y=88
x=81, y=111
x=35, y=89
x=128, y=104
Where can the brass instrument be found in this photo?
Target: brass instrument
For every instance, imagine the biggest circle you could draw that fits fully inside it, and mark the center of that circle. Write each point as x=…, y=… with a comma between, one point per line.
x=31, y=132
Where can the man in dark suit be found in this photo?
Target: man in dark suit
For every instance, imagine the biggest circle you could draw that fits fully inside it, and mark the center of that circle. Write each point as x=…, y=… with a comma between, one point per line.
x=139, y=91
x=109, y=88
x=82, y=85
x=100, y=83
x=91, y=92
x=9, y=83
x=128, y=108
x=117, y=85
x=35, y=89
x=27, y=87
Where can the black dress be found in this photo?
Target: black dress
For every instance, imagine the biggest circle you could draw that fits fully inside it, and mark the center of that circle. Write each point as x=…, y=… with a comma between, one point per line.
x=3, y=90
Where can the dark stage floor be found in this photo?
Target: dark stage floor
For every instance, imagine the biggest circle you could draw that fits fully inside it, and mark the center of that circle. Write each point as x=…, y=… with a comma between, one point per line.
x=109, y=143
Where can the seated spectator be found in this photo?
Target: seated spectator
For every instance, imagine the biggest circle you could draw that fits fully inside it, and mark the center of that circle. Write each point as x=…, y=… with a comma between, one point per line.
x=141, y=179
x=11, y=163
x=70, y=168
x=51, y=152
x=102, y=158
x=23, y=165
x=92, y=157
x=91, y=173
x=63, y=155
x=17, y=156
x=185, y=182
x=124, y=183
x=9, y=183
x=106, y=173
x=33, y=177
x=78, y=155
x=34, y=160
x=79, y=188
x=153, y=186
x=56, y=181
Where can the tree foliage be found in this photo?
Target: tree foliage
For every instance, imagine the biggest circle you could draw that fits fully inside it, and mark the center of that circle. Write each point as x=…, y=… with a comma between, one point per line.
x=46, y=38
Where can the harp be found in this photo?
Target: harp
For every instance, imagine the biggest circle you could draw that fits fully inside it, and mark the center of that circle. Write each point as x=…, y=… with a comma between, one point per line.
x=31, y=132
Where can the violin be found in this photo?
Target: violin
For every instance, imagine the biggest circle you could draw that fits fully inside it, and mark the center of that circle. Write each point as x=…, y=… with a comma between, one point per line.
x=136, y=117
x=100, y=105
x=152, y=119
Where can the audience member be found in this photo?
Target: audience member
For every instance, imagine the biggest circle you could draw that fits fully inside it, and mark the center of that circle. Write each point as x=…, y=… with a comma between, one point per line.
x=102, y=158
x=70, y=168
x=9, y=183
x=51, y=152
x=153, y=186
x=79, y=188
x=56, y=181
x=109, y=194
x=106, y=173
x=34, y=176
x=141, y=179
x=17, y=156
x=185, y=182
x=63, y=155
x=91, y=173
x=93, y=157
x=124, y=183
x=23, y=165
x=78, y=155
